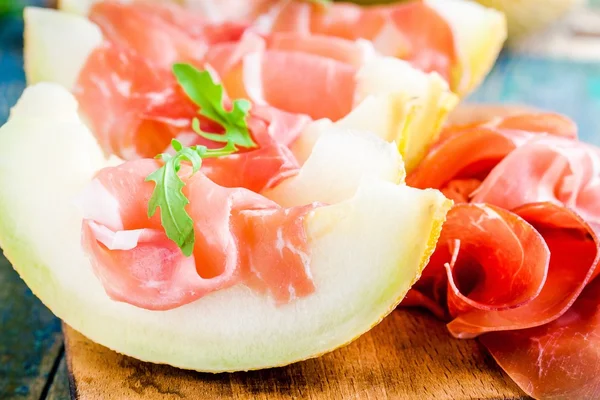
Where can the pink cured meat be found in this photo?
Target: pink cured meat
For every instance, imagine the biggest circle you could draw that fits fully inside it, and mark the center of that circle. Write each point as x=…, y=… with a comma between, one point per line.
x=162, y=33
x=564, y=234
x=558, y=360
x=550, y=169
x=291, y=71
x=472, y=151
x=532, y=166
x=486, y=259
x=135, y=110
x=138, y=264
x=411, y=31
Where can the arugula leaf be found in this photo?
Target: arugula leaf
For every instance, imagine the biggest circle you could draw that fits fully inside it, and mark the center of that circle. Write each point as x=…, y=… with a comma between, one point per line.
x=168, y=194
x=204, y=92
x=168, y=190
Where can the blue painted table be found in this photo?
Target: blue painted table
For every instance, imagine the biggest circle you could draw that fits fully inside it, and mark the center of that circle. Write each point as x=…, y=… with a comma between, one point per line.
x=32, y=364
x=31, y=345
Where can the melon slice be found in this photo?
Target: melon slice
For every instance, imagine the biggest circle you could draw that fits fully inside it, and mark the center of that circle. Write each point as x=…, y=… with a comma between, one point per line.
x=424, y=103
x=394, y=100
x=480, y=31
x=367, y=251
x=357, y=156
x=57, y=45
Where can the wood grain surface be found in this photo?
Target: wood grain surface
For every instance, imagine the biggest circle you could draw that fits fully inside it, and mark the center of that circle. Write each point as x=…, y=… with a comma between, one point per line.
x=410, y=355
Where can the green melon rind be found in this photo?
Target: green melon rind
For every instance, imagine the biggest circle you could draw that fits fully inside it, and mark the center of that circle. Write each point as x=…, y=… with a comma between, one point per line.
x=48, y=156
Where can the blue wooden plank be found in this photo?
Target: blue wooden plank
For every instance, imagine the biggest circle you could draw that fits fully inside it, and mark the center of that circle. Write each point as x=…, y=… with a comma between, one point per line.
x=30, y=338
x=568, y=87
x=12, y=77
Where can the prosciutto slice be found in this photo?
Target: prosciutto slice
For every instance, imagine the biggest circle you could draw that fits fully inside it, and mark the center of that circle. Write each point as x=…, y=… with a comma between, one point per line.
x=471, y=151
x=161, y=32
x=568, y=261
x=547, y=169
x=138, y=264
x=519, y=252
x=411, y=31
x=129, y=96
x=558, y=360
x=289, y=71
x=135, y=109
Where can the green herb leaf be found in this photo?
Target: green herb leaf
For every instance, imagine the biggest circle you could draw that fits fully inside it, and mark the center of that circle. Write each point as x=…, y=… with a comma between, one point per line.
x=168, y=194
x=208, y=95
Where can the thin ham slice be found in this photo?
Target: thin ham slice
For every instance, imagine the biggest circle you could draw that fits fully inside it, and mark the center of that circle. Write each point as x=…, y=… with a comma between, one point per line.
x=532, y=122
x=531, y=172
x=558, y=360
x=133, y=107
x=255, y=170
x=123, y=98
x=471, y=151
x=136, y=109
x=573, y=255
x=350, y=52
x=487, y=259
x=138, y=264
x=550, y=169
x=293, y=81
x=411, y=31
x=162, y=33
x=289, y=71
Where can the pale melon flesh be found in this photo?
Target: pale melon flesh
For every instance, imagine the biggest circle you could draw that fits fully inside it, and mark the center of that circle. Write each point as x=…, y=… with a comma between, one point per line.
x=366, y=252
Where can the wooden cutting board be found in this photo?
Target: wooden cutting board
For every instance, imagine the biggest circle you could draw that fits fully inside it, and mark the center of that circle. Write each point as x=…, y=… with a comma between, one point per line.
x=410, y=355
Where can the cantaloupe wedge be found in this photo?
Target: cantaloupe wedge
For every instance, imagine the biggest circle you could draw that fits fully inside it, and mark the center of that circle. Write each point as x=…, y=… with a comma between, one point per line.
x=396, y=101
x=366, y=252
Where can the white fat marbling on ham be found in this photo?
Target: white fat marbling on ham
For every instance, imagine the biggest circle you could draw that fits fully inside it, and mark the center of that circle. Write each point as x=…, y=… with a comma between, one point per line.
x=119, y=240
x=98, y=204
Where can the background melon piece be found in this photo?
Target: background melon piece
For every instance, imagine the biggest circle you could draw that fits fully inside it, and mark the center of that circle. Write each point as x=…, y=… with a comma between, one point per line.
x=57, y=45
x=479, y=32
x=366, y=253
x=528, y=16
x=78, y=7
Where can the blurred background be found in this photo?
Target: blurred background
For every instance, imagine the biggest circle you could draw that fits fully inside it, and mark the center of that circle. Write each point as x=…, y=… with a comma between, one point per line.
x=551, y=61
